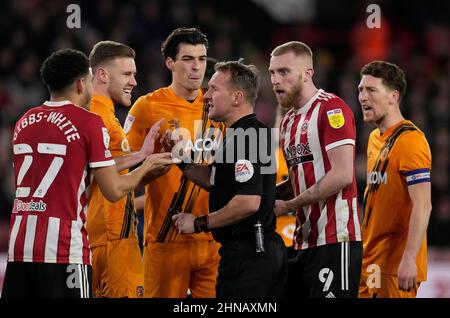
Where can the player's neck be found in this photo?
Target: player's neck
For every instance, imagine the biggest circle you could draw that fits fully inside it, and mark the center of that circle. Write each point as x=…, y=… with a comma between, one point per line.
x=308, y=92
x=184, y=93
x=63, y=97
x=390, y=120
x=101, y=90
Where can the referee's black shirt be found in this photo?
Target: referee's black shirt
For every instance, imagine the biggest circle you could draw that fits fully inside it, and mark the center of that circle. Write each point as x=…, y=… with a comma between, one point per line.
x=243, y=176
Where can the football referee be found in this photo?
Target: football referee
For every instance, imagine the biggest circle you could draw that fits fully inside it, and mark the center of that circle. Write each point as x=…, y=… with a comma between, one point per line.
x=241, y=181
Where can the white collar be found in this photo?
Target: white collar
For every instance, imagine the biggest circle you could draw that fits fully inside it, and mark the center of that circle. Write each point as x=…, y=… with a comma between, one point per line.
x=56, y=104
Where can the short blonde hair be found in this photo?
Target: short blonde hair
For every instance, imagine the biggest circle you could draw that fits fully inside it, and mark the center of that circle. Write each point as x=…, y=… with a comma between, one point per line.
x=296, y=47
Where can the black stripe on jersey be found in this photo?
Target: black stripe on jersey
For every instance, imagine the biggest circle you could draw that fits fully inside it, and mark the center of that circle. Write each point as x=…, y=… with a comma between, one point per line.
x=381, y=165
x=187, y=192
x=129, y=218
x=175, y=207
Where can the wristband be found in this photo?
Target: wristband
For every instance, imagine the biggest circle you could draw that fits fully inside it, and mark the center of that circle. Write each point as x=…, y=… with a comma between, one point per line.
x=201, y=224
x=182, y=165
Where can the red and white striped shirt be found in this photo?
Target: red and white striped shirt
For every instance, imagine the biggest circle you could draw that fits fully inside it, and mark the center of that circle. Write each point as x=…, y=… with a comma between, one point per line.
x=323, y=123
x=54, y=145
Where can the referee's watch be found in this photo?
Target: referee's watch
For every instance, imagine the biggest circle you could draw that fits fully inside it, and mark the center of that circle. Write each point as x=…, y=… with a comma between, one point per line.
x=201, y=224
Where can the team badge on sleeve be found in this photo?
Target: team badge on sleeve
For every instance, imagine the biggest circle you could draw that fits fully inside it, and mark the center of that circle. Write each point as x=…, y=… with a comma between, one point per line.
x=106, y=140
x=105, y=137
x=243, y=170
x=128, y=123
x=336, y=118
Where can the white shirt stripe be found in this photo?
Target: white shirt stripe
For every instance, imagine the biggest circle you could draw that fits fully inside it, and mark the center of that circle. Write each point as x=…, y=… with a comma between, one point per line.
x=322, y=223
x=51, y=242
x=306, y=227
x=12, y=239
x=76, y=238
x=314, y=144
x=76, y=244
x=287, y=138
x=30, y=233
x=100, y=164
x=342, y=214
x=319, y=170
x=356, y=219
x=339, y=143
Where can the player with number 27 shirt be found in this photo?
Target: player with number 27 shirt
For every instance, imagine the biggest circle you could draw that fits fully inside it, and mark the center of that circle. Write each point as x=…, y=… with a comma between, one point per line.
x=58, y=147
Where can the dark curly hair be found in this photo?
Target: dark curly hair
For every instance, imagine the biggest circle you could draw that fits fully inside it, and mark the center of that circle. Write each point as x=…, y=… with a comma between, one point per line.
x=392, y=75
x=171, y=46
x=63, y=68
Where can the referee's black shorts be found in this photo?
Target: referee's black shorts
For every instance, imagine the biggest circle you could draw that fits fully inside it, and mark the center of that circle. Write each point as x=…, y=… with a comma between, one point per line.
x=329, y=271
x=44, y=280
x=243, y=273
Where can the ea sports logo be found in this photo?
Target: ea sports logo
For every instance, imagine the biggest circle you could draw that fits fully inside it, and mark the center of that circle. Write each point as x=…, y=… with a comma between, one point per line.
x=243, y=170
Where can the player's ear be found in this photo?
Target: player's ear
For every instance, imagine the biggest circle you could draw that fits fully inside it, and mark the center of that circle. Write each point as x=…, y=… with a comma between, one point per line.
x=169, y=63
x=309, y=74
x=80, y=86
x=102, y=74
x=395, y=97
x=238, y=98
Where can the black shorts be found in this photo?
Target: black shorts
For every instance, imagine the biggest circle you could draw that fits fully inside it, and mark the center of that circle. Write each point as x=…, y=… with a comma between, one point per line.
x=244, y=273
x=47, y=280
x=329, y=271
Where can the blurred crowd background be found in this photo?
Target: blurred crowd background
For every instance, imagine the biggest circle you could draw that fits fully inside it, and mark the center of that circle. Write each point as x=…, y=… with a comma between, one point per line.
x=414, y=34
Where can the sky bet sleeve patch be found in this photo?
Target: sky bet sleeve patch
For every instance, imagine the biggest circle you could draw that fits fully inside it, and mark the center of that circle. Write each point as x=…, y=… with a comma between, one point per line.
x=128, y=123
x=336, y=118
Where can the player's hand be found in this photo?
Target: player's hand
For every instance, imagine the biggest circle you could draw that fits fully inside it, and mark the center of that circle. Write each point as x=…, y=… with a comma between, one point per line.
x=281, y=207
x=171, y=136
x=407, y=274
x=149, y=143
x=184, y=222
x=157, y=172
x=157, y=161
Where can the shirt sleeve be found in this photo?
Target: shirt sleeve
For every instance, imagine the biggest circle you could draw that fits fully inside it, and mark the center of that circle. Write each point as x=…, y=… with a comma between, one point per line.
x=135, y=126
x=98, y=144
x=415, y=158
x=248, y=178
x=248, y=170
x=337, y=124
